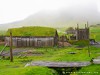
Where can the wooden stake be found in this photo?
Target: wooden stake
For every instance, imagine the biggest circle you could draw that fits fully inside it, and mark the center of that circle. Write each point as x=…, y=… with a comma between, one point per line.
x=11, y=55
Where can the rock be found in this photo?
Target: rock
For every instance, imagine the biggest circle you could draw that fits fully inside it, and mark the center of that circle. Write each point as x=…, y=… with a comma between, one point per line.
x=72, y=52
x=96, y=61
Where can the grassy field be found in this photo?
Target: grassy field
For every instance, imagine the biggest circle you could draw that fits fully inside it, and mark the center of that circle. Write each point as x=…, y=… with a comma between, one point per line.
x=2, y=46
x=48, y=54
x=63, y=54
x=95, y=33
x=17, y=68
x=90, y=70
x=52, y=54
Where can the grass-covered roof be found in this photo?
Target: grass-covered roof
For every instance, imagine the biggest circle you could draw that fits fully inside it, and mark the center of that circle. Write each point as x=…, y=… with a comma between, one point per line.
x=32, y=31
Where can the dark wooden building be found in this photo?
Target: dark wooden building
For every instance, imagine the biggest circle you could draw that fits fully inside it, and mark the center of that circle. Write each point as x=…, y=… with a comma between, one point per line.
x=82, y=34
x=38, y=37
x=79, y=33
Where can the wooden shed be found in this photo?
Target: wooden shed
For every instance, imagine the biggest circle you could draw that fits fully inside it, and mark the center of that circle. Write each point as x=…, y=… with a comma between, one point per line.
x=33, y=37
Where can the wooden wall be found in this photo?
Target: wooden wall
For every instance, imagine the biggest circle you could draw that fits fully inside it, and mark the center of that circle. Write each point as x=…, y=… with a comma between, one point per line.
x=82, y=34
x=31, y=41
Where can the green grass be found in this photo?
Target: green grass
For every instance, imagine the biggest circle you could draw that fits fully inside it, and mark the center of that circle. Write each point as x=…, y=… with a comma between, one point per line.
x=17, y=68
x=79, y=42
x=2, y=46
x=63, y=54
x=39, y=71
x=95, y=33
x=49, y=54
x=32, y=31
x=90, y=70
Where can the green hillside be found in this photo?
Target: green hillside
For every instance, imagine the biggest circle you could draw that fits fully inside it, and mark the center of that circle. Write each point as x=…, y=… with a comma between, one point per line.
x=95, y=33
x=32, y=31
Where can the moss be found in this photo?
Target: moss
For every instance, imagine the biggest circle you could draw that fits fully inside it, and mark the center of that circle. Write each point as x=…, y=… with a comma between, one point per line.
x=32, y=31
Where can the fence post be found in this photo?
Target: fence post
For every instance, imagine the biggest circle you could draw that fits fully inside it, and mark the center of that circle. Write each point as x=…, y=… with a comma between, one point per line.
x=88, y=40
x=11, y=55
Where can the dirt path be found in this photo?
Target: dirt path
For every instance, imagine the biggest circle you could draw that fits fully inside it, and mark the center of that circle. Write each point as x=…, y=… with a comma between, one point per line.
x=18, y=51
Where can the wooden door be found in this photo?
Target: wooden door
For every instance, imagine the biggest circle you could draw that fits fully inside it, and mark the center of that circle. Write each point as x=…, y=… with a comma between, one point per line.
x=39, y=43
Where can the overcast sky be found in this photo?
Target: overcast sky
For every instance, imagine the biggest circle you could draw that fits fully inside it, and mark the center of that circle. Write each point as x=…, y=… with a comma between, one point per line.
x=15, y=10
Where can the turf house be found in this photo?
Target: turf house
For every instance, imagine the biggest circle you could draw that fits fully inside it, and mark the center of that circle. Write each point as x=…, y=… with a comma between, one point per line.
x=32, y=37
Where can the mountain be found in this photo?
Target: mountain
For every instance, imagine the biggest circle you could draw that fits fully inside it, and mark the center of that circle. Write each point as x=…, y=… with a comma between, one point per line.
x=60, y=18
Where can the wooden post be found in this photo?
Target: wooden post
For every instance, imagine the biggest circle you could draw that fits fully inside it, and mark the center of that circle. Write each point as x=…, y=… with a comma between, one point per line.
x=89, y=47
x=88, y=42
x=11, y=55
